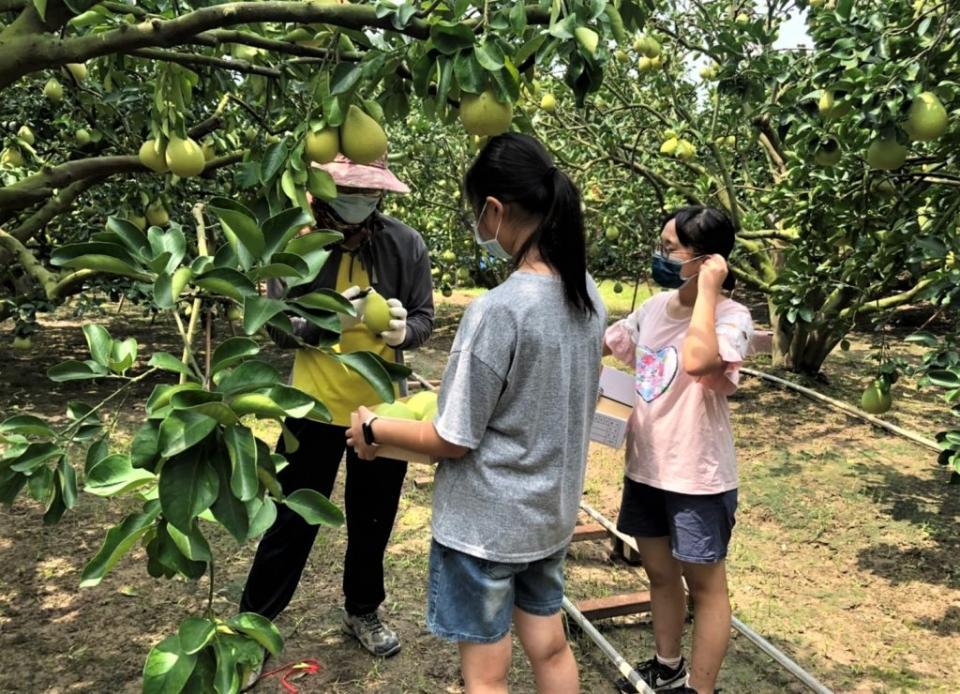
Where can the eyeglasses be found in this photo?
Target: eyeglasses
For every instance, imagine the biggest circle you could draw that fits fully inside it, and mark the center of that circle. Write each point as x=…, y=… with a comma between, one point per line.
x=660, y=249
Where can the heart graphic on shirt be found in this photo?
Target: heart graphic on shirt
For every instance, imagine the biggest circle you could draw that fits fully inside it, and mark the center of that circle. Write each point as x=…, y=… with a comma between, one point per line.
x=656, y=370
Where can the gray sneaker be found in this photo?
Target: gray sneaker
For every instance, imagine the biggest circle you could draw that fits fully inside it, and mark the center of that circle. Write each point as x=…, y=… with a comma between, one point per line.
x=372, y=634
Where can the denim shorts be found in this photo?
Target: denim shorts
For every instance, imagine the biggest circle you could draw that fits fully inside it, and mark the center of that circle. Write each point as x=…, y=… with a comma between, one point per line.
x=699, y=525
x=472, y=599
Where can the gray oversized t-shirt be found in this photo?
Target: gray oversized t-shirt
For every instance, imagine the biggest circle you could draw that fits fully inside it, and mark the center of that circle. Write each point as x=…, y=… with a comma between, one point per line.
x=519, y=391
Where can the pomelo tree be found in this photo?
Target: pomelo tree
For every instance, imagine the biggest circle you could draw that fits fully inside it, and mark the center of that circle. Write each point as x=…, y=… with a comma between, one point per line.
x=162, y=151
x=836, y=161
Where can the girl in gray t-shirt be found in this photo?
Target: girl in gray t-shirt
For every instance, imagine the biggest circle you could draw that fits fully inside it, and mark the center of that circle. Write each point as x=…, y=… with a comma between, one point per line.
x=513, y=424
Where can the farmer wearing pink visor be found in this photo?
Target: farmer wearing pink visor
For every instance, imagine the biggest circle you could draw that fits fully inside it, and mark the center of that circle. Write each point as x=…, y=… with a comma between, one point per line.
x=380, y=252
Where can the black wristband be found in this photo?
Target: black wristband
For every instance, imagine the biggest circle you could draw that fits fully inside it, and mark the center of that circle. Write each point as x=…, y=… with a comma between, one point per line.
x=367, y=427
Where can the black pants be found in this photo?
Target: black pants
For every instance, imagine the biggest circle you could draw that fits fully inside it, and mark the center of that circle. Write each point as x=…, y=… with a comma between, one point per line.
x=372, y=495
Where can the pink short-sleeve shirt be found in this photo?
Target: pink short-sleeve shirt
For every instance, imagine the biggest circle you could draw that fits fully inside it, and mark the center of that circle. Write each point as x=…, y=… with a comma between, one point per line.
x=679, y=438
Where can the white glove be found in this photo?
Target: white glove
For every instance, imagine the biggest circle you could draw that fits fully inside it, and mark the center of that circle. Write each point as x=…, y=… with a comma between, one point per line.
x=397, y=333
x=353, y=296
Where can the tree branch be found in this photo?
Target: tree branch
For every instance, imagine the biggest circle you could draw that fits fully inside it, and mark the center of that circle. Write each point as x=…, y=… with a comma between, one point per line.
x=878, y=305
x=208, y=60
x=29, y=262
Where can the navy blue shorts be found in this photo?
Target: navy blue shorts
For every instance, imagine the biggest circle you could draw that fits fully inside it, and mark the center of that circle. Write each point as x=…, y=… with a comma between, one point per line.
x=472, y=599
x=699, y=525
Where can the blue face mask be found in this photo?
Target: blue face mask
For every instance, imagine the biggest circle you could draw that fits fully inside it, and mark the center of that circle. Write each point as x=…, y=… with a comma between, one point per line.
x=354, y=209
x=491, y=246
x=666, y=271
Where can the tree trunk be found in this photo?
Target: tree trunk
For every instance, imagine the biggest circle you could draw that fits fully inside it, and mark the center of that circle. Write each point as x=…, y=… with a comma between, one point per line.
x=802, y=347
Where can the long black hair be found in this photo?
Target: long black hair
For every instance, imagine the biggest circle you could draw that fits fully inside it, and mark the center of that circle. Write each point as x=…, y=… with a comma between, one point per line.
x=706, y=230
x=517, y=169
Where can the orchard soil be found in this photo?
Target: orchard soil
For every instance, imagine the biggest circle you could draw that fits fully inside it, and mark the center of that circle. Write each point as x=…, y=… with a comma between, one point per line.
x=845, y=553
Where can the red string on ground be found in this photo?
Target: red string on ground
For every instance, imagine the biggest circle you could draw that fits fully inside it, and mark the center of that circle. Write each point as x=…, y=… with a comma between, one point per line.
x=294, y=670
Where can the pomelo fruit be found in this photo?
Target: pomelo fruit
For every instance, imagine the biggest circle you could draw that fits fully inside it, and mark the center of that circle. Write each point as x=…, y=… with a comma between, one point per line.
x=396, y=410
x=421, y=402
x=669, y=146
x=463, y=274
x=22, y=343
x=152, y=156
x=483, y=115
x=587, y=38
x=322, y=146
x=548, y=102
x=449, y=257
x=376, y=313
x=82, y=137
x=11, y=156
x=184, y=157
x=53, y=90
x=617, y=288
x=686, y=150
x=235, y=313
x=612, y=234
x=447, y=292
x=876, y=399
x=886, y=154
x=157, y=214
x=78, y=71
x=828, y=153
x=927, y=118
x=362, y=140
x=26, y=134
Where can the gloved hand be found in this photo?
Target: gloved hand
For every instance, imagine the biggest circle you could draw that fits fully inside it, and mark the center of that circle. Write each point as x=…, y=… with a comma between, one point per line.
x=353, y=296
x=397, y=333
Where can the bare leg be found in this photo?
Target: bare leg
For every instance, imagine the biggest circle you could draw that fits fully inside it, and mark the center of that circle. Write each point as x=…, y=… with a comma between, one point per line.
x=711, y=622
x=545, y=644
x=668, y=603
x=485, y=666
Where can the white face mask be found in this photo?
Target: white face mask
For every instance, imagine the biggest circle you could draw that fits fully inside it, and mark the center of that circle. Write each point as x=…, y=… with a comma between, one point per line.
x=354, y=208
x=491, y=246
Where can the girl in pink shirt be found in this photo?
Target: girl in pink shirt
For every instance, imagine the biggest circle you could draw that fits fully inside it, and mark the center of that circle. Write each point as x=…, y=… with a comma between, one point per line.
x=680, y=490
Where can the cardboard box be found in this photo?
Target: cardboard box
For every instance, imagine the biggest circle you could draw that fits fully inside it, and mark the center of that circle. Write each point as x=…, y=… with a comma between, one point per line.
x=617, y=398
x=396, y=453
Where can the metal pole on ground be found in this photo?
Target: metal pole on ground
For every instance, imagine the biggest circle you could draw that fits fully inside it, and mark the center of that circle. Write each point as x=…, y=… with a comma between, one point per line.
x=759, y=641
x=618, y=660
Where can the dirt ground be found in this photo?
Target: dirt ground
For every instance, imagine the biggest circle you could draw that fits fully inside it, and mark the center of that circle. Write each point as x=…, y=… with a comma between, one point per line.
x=845, y=554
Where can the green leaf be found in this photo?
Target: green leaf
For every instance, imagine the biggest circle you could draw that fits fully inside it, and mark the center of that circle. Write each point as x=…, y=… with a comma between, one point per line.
x=312, y=242
x=195, y=633
x=169, y=248
x=68, y=482
x=11, y=482
x=294, y=402
x=272, y=162
x=232, y=351
x=250, y=375
x=41, y=6
x=55, y=508
x=167, y=668
x=314, y=507
x=129, y=234
x=321, y=184
x=469, y=73
x=118, y=542
x=188, y=486
x=450, y=37
x=27, y=425
x=192, y=544
x=262, y=512
x=257, y=310
x=326, y=299
x=226, y=282
x=99, y=343
x=228, y=509
x=76, y=371
x=106, y=258
x=241, y=222
x=259, y=628
x=168, y=362
x=489, y=56
x=944, y=378
x=145, y=447
x=114, y=475
x=345, y=77
x=123, y=354
x=372, y=370
x=182, y=430
x=242, y=449
x=282, y=227
x=36, y=455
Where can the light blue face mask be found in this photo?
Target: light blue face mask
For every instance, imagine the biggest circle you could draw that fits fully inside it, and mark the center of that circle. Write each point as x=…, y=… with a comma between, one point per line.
x=353, y=209
x=491, y=246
